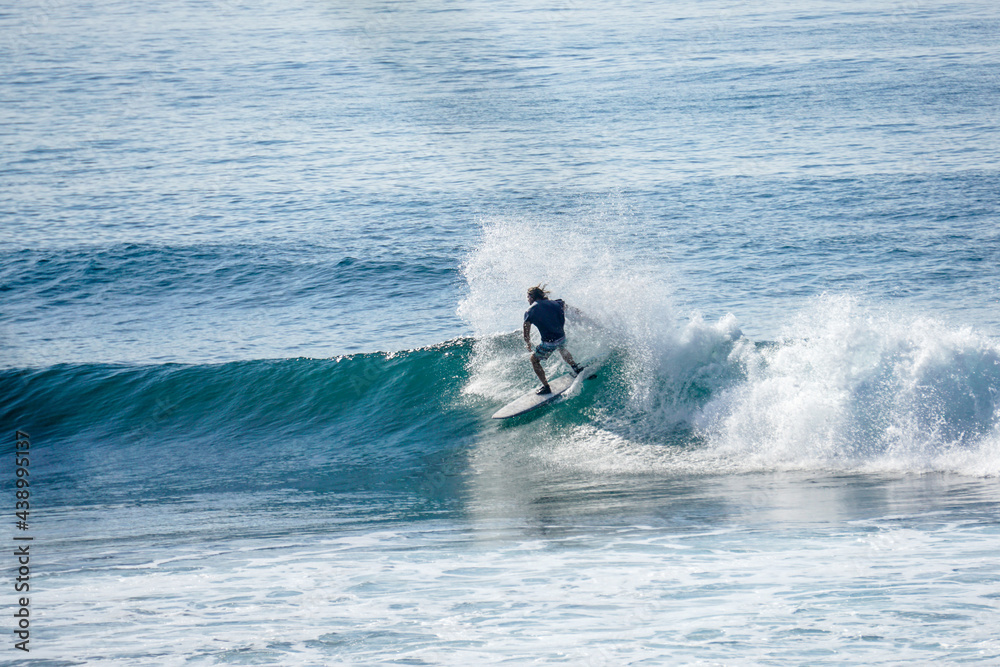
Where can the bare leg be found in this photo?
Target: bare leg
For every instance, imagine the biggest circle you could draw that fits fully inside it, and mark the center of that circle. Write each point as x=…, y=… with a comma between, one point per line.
x=568, y=358
x=539, y=371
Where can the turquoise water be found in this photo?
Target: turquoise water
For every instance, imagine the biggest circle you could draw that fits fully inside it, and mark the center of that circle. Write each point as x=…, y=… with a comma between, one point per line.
x=261, y=286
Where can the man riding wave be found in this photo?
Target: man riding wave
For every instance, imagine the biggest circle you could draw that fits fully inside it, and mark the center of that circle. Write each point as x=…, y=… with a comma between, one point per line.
x=549, y=316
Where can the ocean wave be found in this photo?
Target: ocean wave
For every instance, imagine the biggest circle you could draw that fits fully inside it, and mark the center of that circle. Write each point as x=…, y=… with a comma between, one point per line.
x=849, y=385
x=852, y=390
x=222, y=274
x=852, y=386
x=353, y=422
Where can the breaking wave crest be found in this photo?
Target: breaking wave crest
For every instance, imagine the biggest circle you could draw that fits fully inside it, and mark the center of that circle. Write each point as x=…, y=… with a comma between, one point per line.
x=847, y=386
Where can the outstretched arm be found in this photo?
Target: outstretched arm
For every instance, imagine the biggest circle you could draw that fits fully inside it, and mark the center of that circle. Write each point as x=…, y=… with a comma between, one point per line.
x=527, y=334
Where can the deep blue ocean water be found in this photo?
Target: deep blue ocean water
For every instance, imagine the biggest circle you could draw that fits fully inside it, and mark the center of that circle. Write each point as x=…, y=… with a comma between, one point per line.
x=262, y=275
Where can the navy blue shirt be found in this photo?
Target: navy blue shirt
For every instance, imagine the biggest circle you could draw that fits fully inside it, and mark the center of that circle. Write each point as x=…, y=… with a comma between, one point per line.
x=549, y=317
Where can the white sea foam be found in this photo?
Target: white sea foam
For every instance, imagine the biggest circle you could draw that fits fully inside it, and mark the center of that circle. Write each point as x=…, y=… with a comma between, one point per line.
x=847, y=385
x=625, y=302
x=498, y=591
x=857, y=387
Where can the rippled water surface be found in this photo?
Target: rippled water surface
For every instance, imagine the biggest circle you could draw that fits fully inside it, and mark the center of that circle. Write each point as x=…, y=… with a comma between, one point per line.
x=261, y=288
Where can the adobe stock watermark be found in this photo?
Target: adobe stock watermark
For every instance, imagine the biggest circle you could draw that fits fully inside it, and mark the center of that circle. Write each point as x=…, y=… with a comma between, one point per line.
x=22, y=540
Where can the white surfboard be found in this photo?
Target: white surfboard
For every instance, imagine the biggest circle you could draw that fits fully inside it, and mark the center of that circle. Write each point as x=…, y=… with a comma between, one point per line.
x=559, y=386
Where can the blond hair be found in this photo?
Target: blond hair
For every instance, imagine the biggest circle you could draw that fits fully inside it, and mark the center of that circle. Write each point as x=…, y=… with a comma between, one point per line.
x=538, y=292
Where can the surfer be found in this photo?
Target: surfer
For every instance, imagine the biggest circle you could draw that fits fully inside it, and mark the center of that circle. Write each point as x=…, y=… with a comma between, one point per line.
x=549, y=316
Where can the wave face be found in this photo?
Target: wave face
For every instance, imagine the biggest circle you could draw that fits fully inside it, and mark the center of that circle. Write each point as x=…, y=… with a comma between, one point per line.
x=353, y=423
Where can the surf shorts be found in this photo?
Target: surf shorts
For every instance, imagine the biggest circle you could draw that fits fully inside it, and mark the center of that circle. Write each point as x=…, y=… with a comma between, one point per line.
x=546, y=348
